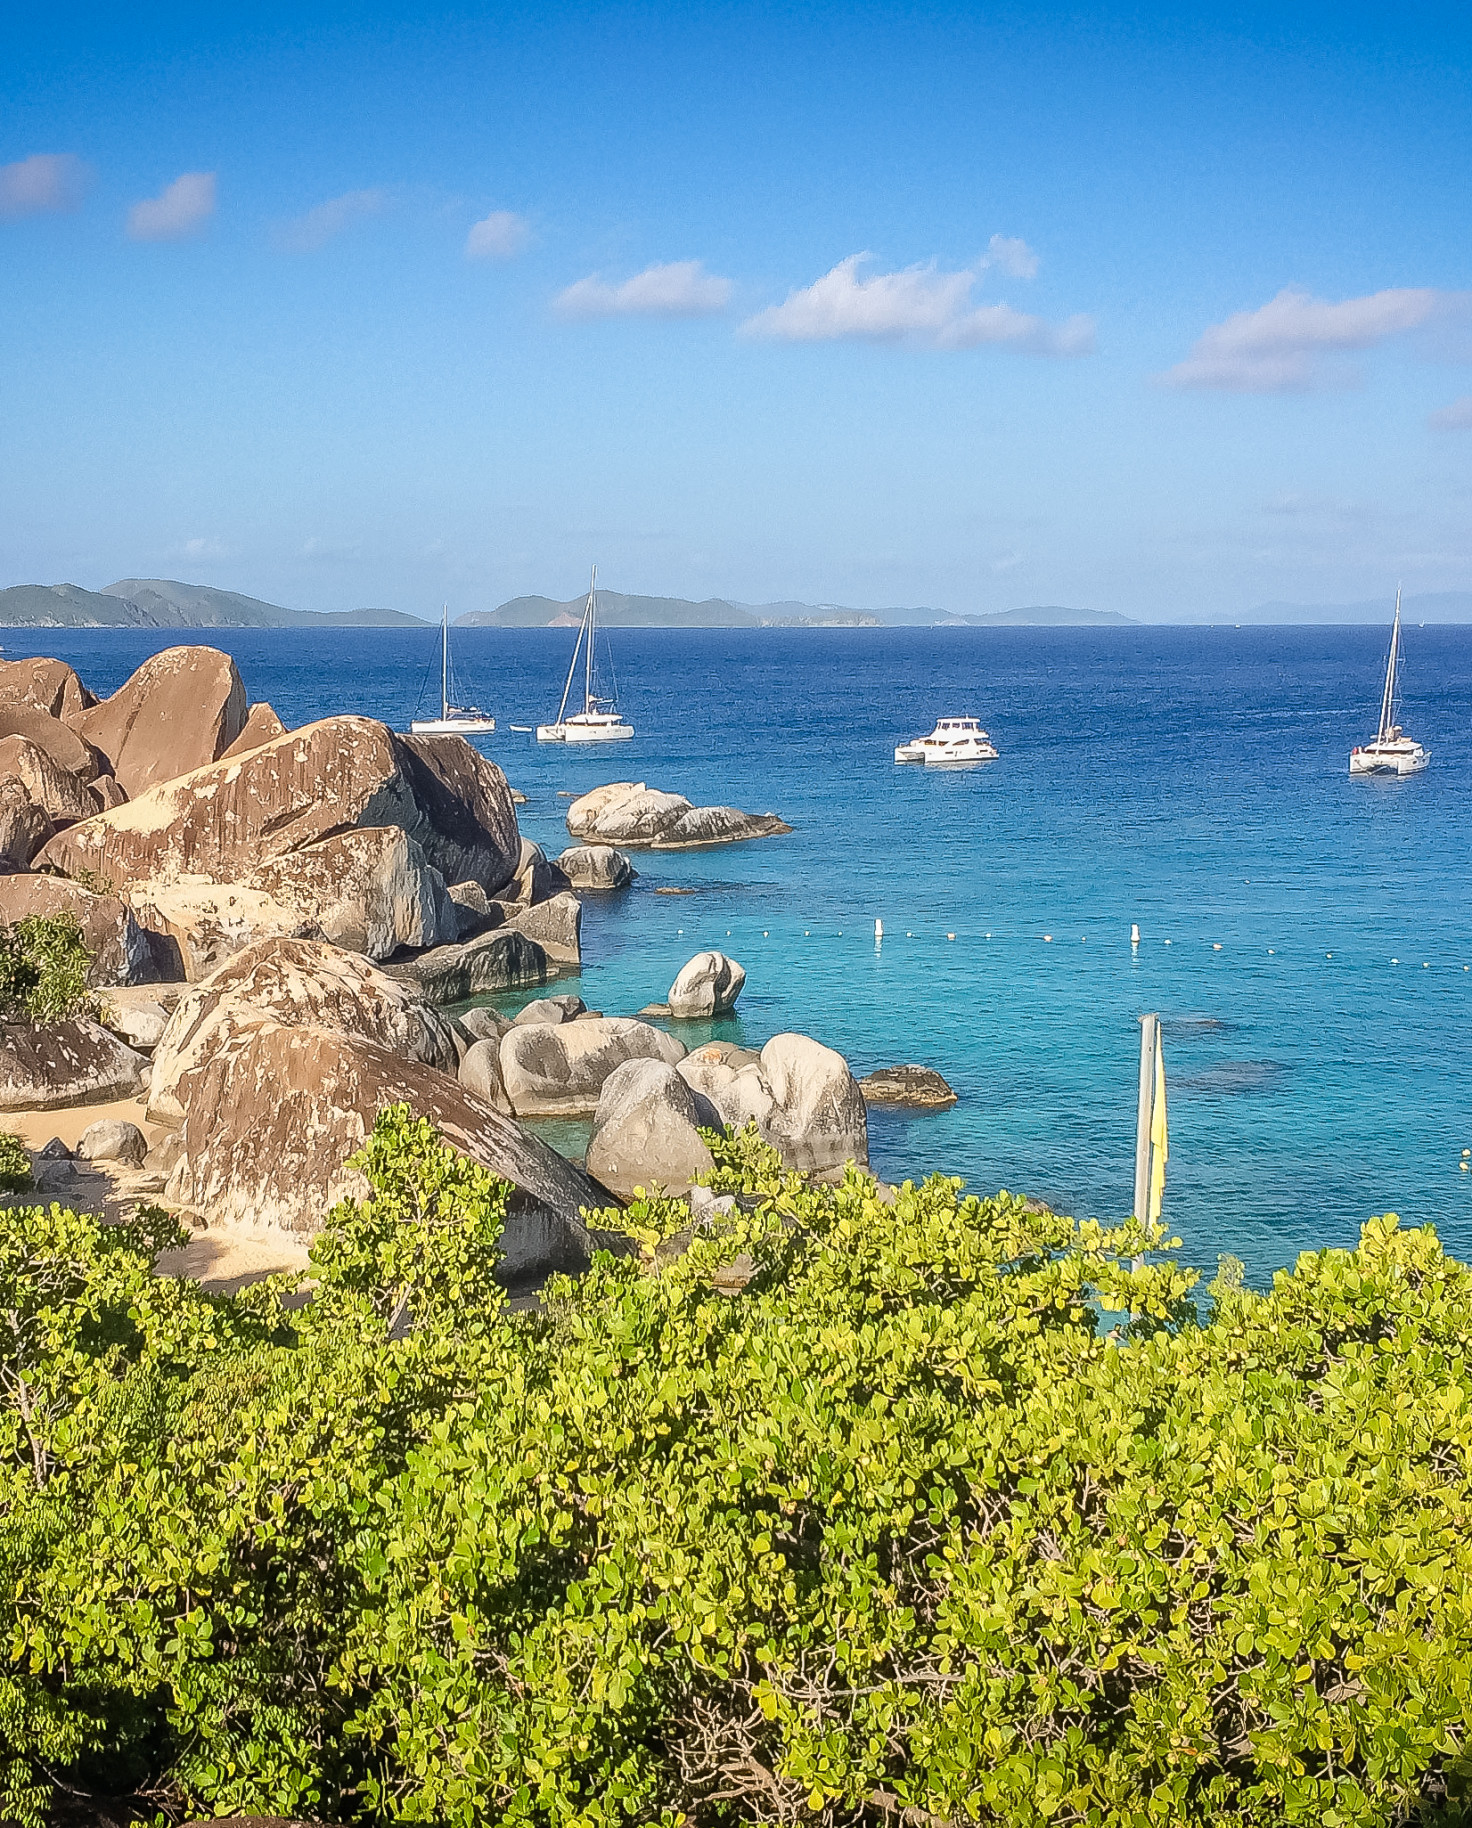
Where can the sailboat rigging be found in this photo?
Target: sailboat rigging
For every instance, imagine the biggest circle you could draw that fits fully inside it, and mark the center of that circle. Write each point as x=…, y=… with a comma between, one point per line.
x=599, y=720
x=453, y=720
x=1392, y=751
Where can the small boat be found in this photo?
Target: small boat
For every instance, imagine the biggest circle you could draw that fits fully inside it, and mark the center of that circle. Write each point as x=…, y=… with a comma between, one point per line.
x=954, y=739
x=1392, y=751
x=453, y=720
x=599, y=720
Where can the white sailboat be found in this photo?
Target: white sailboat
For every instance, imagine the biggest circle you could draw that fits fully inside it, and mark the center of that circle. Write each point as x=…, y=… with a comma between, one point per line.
x=453, y=720
x=1392, y=751
x=599, y=720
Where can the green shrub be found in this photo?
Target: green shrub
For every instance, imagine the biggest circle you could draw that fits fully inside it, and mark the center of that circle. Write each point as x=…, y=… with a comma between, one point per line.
x=15, y=1164
x=951, y=1516
x=43, y=968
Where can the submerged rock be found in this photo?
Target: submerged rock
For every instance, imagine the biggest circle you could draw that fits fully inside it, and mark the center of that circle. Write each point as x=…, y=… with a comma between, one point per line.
x=707, y=985
x=598, y=867
x=916, y=1088
x=631, y=812
x=554, y=1069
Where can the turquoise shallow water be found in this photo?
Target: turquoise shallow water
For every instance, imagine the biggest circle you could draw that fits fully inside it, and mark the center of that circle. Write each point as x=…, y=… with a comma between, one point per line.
x=1190, y=780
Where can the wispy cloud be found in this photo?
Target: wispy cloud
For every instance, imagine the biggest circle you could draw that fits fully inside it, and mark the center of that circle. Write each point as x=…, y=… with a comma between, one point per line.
x=1454, y=418
x=42, y=184
x=179, y=210
x=322, y=223
x=499, y=236
x=1279, y=348
x=919, y=305
x=681, y=288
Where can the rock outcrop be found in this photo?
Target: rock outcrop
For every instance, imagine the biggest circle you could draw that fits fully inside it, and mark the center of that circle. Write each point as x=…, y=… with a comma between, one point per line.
x=631, y=812
x=480, y=1074
x=819, y=1120
x=916, y=1088
x=262, y=725
x=46, y=1067
x=273, y=1116
x=65, y=797
x=227, y=820
x=371, y=891
x=598, y=867
x=179, y=711
x=206, y=923
x=297, y=983
x=499, y=960
x=556, y=925
x=553, y=1009
x=66, y=749
x=707, y=985
x=47, y=685
x=646, y=1130
x=24, y=826
x=121, y=953
x=553, y=1069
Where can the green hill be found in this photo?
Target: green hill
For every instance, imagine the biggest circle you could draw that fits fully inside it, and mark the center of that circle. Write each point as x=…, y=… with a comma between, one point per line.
x=1052, y=615
x=162, y=603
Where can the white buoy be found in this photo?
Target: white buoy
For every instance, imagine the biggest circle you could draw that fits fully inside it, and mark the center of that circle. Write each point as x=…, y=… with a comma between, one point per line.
x=879, y=929
x=1134, y=935
x=1216, y=945
x=950, y=936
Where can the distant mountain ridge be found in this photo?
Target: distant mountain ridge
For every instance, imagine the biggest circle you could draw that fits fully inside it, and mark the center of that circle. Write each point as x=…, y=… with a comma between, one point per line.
x=1434, y=606
x=164, y=603
x=616, y=610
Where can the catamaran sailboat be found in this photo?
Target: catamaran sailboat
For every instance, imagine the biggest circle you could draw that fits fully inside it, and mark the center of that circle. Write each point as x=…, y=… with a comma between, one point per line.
x=954, y=739
x=598, y=721
x=453, y=720
x=1392, y=751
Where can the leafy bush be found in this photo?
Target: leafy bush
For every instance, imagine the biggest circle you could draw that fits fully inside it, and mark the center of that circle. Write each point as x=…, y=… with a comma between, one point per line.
x=951, y=1516
x=15, y=1164
x=43, y=968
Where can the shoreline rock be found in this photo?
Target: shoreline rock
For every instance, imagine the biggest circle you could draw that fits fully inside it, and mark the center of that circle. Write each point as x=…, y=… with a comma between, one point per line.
x=915, y=1088
x=633, y=813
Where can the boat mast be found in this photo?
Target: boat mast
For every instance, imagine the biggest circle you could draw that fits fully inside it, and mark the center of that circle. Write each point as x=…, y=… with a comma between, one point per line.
x=444, y=662
x=1387, y=702
x=572, y=665
x=592, y=620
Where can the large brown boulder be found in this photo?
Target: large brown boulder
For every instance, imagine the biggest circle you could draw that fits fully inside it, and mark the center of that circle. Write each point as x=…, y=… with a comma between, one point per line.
x=273, y=1114
x=371, y=891
x=49, y=685
x=201, y=924
x=121, y=953
x=225, y=821
x=502, y=959
x=69, y=752
x=24, y=826
x=46, y=1067
x=300, y=983
x=178, y=712
x=65, y=797
x=262, y=725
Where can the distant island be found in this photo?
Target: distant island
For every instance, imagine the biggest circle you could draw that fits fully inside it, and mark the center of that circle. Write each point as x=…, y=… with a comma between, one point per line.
x=166, y=603
x=162, y=603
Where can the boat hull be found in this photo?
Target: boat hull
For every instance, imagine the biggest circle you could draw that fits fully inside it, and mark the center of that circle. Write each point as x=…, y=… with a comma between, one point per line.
x=950, y=754
x=453, y=726
x=571, y=733
x=1411, y=760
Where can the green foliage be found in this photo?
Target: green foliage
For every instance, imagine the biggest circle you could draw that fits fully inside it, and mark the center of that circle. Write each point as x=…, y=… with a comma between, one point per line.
x=43, y=968
x=955, y=1514
x=15, y=1164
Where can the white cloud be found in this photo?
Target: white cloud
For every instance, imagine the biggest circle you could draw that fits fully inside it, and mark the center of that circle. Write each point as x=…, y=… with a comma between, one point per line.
x=919, y=305
x=1454, y=418
x=201, y=549
x=1012, y=254
x=681, y=288
x=306, y=233
x=45, y=182
x=498, y=236
x=180, y=209
x=1276, y=349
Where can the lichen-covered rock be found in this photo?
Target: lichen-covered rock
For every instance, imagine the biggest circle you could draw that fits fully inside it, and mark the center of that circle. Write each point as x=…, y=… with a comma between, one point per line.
x=137, y=1013
x=262, y=725
x=24, y=826
x=707, y=985
x=708, y=825
x=499, y=960
x=112, y=1139
x=916, y=1088
x=64, y=797
x=631, y=812
x=274, y=1114
x=179, y=711
x=226, y=820
x=62, y=743
x=646, y=1130
x=549, y=1068
x=301, y=983
x=49, y=1066
x=46, y=685
x=120, y=950
x=474, y=910
x=556, y=925
x=480, y=1074
x=596, y=866
x=370, y=891
x=206, y=923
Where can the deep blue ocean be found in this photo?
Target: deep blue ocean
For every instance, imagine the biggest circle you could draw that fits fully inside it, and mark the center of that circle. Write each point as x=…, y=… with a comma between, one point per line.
x=1190, y=780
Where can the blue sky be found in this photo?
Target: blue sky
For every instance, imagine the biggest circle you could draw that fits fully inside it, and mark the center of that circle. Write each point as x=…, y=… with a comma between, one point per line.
x=1167, y=312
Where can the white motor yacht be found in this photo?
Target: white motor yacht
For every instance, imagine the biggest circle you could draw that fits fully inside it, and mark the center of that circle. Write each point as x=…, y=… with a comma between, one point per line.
x=599, y=720
x=1392, y=751
x=453, y=720
x=954, y=739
